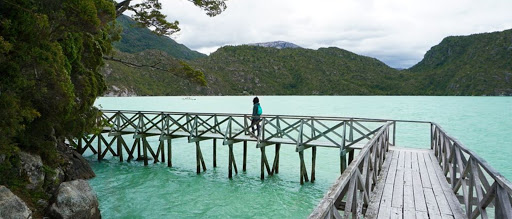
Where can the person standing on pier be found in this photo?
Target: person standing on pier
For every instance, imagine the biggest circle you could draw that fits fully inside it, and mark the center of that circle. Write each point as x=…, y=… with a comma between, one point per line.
x=256, y=113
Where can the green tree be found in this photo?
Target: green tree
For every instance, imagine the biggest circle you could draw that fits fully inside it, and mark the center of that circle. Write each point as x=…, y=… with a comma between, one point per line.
x=147, y=13
x=51, y=52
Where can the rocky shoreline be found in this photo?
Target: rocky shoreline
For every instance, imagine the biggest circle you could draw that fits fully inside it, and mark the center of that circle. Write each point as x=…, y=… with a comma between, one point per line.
x=42, y=191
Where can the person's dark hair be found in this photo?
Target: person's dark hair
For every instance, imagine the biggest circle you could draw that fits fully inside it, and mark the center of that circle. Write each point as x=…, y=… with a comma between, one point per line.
x=255, y=100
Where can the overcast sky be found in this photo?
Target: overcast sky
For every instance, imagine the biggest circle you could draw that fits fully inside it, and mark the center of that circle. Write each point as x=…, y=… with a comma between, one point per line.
x=397, y=32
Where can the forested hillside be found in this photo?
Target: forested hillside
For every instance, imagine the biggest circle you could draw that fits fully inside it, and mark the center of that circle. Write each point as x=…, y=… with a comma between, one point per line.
x=297, y=71
x=479, y=64
x=136, y=39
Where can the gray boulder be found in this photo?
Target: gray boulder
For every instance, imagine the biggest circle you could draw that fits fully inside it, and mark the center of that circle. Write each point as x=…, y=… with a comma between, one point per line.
x=74, y=199
x=76, y=166
x=11, y=206
x=32, y=166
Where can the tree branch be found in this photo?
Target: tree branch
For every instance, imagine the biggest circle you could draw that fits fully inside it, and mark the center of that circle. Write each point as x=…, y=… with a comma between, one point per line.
x=122, y=7
x=131, y=64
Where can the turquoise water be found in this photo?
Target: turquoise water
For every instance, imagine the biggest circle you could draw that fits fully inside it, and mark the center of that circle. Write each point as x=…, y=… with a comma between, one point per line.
x=130, y=190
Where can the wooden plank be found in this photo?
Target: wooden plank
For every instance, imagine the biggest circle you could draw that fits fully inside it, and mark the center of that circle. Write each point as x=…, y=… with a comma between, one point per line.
x=408, y=163
x=417, y=186
x=452, y=200
x=401, y=160
x=430, y=199
x=442, y=203
x=408, y=197
x=447, y=216
x=409, y=214
x=385, y=201
x=398, y=190
x=392, y=168
x=376, y=195
x=425, y=180
x=408, y=177
x=422, y=215
x=396, y=213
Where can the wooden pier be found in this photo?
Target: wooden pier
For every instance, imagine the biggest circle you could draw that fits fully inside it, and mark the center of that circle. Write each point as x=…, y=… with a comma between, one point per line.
x=446, y=181
x=301, y=132
x=381, y=181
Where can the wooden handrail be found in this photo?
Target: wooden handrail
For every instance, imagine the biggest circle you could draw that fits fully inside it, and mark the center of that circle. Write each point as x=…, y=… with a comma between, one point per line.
x=463, y=170
x=353, y=187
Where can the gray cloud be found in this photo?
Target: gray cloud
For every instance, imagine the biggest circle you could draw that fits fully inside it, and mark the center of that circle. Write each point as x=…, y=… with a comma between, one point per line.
x=397, y=32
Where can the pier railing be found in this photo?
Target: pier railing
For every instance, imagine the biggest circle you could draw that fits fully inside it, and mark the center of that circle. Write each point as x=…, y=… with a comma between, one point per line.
x=472, y=179
x=479, y=187
x=302, y=132
x=351, y=192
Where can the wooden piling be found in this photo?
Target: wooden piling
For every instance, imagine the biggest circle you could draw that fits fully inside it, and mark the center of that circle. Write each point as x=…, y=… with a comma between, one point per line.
x=214, y=153
x=230, y=163
x=264, y=164
x=313, y=162
x=262, y=169
x=119, y=147
x=162, y=144
x=245, y=157
x=145, y=151
x=343, y=163
x=99, y=146
x=234, y=161
x=199, y=159
x=275, y=166
x=303, y=170
x=138, y=149
x=169, y=153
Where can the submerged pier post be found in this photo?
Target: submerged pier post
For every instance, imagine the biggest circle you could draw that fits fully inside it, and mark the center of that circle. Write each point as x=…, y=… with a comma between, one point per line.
x=262, y=170
x=169, y=152
x=199, y=159
x=245, y=157
x=275, y=165
x=162, y=149
x=264, y=164
x=230, y=162
x=214, y=153
x=303, y=170
x=313, y=162
x=119, y=147
x=99, y=146
x=138, y=149
x=145, y=151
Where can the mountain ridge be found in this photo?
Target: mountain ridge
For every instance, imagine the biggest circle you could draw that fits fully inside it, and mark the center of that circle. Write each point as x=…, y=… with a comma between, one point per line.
x=275, y=44
x=477, y=64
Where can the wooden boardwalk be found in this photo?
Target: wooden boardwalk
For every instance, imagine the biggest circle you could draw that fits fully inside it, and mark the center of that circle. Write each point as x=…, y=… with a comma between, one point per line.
x=302, y=132
x=412, y=185
x=382, y=181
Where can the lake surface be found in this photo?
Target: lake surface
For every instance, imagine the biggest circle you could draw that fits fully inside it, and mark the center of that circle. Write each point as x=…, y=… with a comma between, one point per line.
x=130, y=190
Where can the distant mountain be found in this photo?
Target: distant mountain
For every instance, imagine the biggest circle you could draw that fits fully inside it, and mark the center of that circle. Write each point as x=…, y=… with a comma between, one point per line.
x=269, y=71
x=276, y=44
x=478, y=64
x=136, y=39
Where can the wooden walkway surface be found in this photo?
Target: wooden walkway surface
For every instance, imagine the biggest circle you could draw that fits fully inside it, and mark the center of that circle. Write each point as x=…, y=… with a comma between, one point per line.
x=412, y=185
